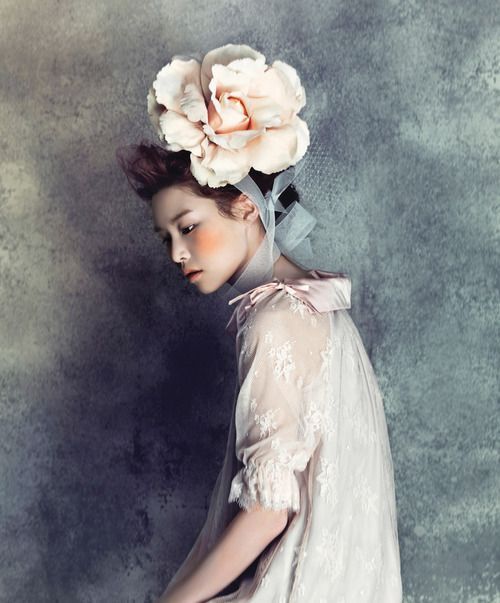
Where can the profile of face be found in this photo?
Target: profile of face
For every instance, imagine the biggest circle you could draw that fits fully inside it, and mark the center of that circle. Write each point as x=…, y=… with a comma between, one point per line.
x=200, y=238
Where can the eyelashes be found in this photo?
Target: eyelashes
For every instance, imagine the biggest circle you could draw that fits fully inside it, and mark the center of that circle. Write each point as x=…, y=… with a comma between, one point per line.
x=191, y=226
x=166, y=239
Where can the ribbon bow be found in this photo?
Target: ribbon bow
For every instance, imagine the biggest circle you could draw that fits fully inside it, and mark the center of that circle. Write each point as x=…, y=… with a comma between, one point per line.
x=322, y=291
x=291, y=230
x=263, y=290
x=294, y=226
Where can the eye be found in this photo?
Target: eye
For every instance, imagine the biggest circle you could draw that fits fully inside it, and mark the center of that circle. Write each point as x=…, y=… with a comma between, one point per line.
x=166, y=240
x=191, y=226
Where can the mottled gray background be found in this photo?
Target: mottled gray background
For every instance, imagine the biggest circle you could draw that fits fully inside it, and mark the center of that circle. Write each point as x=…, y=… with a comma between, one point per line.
x=117, y=377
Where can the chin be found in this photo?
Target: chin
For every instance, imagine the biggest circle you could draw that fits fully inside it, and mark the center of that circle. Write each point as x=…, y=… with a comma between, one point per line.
x=210, y=282
x=212, y=287
x=206, y=288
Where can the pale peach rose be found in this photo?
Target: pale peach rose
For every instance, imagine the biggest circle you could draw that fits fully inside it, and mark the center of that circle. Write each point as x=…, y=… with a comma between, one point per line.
x=232, y=112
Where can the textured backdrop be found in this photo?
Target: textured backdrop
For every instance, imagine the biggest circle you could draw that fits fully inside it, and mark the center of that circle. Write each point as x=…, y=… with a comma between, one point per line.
x=117, y=377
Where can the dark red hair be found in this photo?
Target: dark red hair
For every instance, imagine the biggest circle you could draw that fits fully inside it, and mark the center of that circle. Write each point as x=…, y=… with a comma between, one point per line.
x=150, y=167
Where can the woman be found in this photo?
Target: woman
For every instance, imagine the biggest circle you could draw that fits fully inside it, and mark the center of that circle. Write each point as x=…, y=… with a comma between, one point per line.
x=303, y=508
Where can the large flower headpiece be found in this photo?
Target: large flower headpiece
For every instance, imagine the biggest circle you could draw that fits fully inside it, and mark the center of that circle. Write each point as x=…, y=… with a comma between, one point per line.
x=232, y=112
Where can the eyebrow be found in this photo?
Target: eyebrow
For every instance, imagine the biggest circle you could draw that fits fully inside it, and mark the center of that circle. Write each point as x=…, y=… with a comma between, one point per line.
x=174, y=219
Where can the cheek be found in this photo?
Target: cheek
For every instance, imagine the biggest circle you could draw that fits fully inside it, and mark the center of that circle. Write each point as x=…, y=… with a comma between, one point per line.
x=209, y=242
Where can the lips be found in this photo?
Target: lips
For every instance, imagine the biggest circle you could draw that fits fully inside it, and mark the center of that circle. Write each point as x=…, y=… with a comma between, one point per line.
x=194, y=274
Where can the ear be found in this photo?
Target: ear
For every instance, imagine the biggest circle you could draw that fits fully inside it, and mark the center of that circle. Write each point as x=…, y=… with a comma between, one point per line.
x=246, y=208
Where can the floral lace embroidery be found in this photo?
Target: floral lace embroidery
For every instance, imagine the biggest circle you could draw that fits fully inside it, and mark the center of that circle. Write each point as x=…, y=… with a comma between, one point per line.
x=331, y=555
x=266, y=422
x=328, y=426
x=269, y=480
x=272, y=483
x=284, y=457
x=297, y=306
x=317, y=420
x=313, y=420
x=362, y=432
x=268, y=337
x=326, y=479
x=362, y=490
x=283, y=361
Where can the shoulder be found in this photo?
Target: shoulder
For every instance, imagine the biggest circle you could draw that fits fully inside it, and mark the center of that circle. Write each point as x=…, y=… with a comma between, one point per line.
x=273, y=305
x=280, y=337
x=273, y=309
x=284, y=316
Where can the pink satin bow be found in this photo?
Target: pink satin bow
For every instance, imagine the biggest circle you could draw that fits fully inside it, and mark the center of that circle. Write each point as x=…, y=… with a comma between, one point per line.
x=262, y=290
x=322, y=292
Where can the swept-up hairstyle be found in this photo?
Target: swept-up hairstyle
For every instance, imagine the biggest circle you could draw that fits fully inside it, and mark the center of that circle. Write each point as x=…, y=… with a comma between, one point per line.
x=150, y=167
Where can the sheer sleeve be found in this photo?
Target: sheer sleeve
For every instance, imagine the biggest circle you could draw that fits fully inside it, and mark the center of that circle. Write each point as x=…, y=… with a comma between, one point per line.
x=276, y=418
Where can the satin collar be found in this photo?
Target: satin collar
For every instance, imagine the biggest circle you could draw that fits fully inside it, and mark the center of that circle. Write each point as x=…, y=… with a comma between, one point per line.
x=322, y=291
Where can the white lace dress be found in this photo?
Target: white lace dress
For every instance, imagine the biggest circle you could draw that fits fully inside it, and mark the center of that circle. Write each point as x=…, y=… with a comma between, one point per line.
x=308, y=433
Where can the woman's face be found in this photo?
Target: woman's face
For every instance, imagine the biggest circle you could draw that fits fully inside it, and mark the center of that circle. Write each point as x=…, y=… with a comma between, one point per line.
x=199, y=238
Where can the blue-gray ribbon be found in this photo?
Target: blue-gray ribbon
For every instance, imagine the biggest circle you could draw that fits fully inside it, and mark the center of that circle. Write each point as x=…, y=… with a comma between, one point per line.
x=288, y=234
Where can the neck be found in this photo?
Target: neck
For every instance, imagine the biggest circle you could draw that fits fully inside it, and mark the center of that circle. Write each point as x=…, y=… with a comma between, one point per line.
x=283, y=268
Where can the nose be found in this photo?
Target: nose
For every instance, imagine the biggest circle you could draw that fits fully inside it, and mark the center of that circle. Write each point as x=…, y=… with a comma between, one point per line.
x=178, y=251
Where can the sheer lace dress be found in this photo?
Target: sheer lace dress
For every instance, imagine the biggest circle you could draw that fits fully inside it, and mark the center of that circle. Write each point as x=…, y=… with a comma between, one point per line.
x=308, y=434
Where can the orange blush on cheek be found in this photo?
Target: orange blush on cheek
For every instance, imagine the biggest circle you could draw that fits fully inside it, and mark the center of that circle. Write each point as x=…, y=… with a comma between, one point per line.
x=208, y=242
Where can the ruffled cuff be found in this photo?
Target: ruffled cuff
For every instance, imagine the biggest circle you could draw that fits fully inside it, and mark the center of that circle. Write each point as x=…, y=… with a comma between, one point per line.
x=270, y=484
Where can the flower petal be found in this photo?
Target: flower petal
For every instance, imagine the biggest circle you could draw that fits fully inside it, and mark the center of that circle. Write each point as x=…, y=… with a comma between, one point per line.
x=178, y=130
x=248, y=66
x=264, y=112
x=193, y=103
x=279, y=148
x=227, y=114
x=232, y=140
x=290, y=73
x=274, y=87
x=224, y=55
x=219, y=166
x=177, y=86
x=227, y=80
